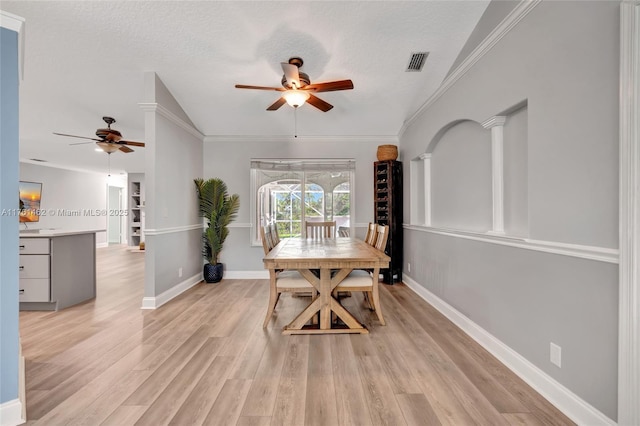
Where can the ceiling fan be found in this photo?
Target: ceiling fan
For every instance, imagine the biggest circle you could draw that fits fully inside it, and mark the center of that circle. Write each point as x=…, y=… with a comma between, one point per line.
x=110, y=140
x=298, y=89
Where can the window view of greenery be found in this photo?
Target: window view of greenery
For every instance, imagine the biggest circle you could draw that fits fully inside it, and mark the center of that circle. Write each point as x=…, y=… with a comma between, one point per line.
x=326, y=197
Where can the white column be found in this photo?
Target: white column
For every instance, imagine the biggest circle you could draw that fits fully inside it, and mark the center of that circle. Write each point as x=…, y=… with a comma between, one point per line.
x=629, y=268
x=426, y=158
x=496, y=124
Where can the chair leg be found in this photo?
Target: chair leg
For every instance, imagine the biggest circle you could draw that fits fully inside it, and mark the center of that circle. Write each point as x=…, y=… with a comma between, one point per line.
x=368, y=296
x=376, y=304
x=274, y=296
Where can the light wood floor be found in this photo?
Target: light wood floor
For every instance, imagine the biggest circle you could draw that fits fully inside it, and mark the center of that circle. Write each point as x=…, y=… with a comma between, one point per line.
x=204, y=358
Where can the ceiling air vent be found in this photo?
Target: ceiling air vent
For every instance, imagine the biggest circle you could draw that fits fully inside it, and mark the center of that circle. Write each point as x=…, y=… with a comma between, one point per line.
x=416, y=62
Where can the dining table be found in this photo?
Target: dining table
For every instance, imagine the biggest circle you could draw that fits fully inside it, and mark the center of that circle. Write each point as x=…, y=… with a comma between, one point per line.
x=325, y=262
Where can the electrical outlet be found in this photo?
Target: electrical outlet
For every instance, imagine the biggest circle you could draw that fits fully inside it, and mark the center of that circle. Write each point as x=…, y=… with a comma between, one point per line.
x=555, y=354
x=180, y=272
x=408, y=267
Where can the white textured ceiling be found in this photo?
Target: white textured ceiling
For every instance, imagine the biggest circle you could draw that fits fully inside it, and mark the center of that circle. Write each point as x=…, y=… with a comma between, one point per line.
x=86, y=59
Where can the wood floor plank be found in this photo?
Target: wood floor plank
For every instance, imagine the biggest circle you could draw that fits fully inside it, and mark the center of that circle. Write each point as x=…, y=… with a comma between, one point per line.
x=204, y=358
x=417, y=410
x=351, y=403
x=290, y=401
x=226, y=410
x=320, y=404
x=199, y=402
x=167, y=404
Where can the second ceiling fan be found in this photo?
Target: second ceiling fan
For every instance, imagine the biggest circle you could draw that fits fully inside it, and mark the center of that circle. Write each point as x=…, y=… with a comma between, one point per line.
x=298, y=89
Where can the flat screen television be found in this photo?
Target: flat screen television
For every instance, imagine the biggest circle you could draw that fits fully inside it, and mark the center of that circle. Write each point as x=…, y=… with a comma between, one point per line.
x=30, y=195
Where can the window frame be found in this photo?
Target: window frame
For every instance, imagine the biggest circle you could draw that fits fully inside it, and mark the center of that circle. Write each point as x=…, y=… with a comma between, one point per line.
x=299, y=165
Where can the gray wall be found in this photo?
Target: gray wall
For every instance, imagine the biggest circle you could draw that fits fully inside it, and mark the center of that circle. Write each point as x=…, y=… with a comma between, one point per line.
x=562, y=60
x=230, y=161
x=8, y=223
x=173, y=159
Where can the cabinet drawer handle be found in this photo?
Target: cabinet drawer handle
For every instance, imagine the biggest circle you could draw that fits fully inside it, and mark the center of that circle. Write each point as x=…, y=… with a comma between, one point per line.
x=21, y=268
x=22, y=247
x=21, y=291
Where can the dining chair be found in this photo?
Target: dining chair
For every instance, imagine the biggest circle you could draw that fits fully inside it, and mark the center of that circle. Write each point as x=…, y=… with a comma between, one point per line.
x=343, y=231
x=367, y=282
x=281, y=281
x=319, y=230
x=370, y=238
x=275, y=237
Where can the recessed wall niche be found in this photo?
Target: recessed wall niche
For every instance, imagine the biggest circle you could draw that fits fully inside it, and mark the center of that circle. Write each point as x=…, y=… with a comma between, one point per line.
x=473, y=173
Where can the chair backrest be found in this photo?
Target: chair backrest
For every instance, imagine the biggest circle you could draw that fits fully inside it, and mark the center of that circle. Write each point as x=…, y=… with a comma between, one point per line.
x=320, y=230
x=275, y=237
x=267, y=241
x=372, y=234
x=381, y=240
x=343, y=231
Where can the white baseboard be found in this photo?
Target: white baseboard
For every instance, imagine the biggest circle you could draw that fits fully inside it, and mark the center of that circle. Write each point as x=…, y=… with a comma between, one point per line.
x=247, y=275
x=566, y=401
x=161, y=299
x=11, y=413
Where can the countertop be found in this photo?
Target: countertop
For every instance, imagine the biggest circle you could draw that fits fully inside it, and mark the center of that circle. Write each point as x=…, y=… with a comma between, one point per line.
x=35, y=233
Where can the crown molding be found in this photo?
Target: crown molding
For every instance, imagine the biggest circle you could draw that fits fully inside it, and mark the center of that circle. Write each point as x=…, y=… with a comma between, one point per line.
x=516, y=15
x=15, y=23
x=159, y=109
x=301, y=139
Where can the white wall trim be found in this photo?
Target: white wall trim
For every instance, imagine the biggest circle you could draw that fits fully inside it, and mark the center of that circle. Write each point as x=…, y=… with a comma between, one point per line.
x=516, y=15
x=629, y=221
x=566, y=401
x=15, y=23
x=426, y=167
x=172, y=230
x=161, y=299
x=601, y=254
x=381, y=139
x=11, y=413
x=496, y=124
x=157, y=108
x=246, y=275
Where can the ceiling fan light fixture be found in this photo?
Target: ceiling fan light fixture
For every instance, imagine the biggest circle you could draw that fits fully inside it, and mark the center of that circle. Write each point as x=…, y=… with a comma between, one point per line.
x=295, y=98
x=108, y=147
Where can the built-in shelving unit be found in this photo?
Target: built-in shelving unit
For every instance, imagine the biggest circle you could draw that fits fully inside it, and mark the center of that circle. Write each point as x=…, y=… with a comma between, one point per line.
x=136, y=211
x=387, y=203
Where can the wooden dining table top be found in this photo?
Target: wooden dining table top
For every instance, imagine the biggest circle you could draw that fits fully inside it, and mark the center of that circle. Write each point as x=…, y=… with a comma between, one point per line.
x=337, y=253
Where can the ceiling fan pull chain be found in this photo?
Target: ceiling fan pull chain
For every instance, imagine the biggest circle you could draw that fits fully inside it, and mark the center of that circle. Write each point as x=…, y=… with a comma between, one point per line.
x=295, y=120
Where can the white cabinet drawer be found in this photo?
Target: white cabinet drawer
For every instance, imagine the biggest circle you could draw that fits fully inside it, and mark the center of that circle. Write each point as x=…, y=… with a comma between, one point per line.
x=34, y=266
x=34, y=245
x=34, y=290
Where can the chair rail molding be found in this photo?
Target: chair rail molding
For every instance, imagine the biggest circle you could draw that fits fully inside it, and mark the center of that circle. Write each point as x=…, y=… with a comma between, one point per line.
x=629, y=222
x=600, y=254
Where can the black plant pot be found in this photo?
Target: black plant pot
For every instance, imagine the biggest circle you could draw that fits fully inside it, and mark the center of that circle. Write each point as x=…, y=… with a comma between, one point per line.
x=212, y=273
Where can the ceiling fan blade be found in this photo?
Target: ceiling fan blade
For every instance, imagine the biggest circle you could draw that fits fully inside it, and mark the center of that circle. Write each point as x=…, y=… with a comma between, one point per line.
x=277, y=104
x=330, y=86
x=244, y=86
x=125, y=149
x=74, y=136
x=132, y=143
x=80, y=143
x=291, y=74
x=319, y=103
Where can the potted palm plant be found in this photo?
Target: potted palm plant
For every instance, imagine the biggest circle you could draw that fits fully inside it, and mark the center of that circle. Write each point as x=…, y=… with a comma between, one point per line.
x=219, y=209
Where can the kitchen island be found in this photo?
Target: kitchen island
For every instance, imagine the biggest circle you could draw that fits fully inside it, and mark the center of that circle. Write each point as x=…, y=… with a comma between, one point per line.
x=57, y=268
